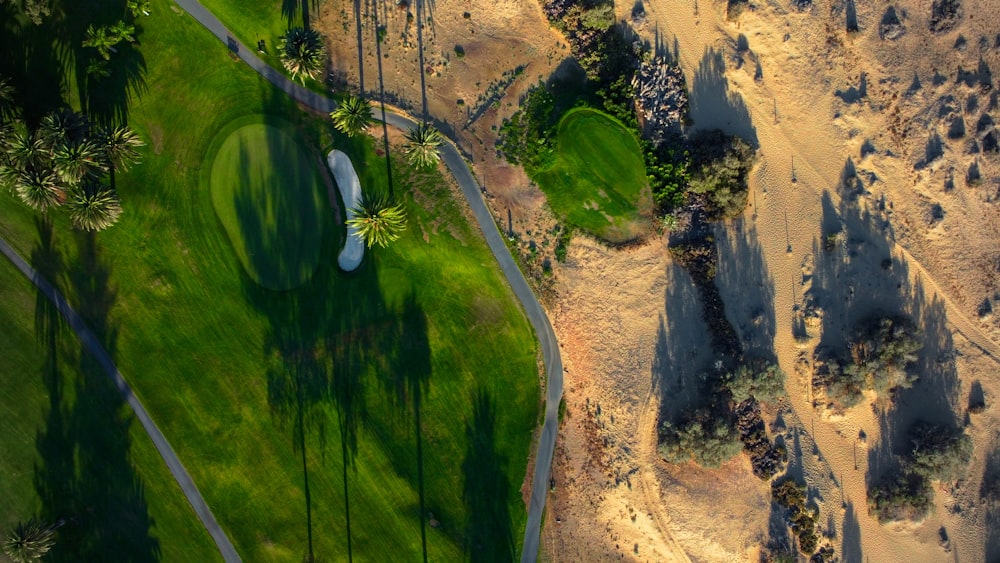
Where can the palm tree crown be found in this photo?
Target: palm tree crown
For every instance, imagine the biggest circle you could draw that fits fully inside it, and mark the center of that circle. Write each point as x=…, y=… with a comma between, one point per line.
x=422, y=146
x=303, y=53
x=352, y=116
x=378, y=220
x=75, y=161
x=119, y=145
x=94, y=207
x=138, y=7
x=29, y=541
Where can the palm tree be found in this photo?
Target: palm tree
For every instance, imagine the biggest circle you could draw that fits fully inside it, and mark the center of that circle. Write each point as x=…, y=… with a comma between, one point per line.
x=422, y=146
x=7, y=108
x=38, y=189
x=24, y=149
x=122, y=31
x=29, y=541
x=102, y=39
x=119, y=146
x=75, y=161
x=303, y=53
x=98, y=68
x=352, y=116
x=61, y=127
x=94, y=207
x=138, y=7
x=378, y=220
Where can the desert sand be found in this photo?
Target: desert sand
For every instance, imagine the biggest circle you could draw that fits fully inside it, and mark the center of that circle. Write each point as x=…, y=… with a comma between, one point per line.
x=877, y=136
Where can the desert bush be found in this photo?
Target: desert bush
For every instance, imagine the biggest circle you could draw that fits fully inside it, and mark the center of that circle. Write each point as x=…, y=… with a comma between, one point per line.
x=706, y=438
x=881, y=353
x=762, y=381
x=801, y=517
x=905, y=495
x=939, y=453
x=720, y=166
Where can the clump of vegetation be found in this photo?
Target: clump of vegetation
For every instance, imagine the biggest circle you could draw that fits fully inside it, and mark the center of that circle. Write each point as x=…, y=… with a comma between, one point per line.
x=792, y=497
x=528, y=137
x=303, y=53
x=720, y=165
x=562, y=244
x=761, y=381
x=378, y=220
x=939, y=453
x=352, y=116
x=882, y=352
x=706, y=437
x=29, y=541
x=460, y=51
x=65, y=161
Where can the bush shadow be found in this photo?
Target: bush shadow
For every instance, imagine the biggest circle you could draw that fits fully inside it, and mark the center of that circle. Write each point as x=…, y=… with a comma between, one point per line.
x=747, y=286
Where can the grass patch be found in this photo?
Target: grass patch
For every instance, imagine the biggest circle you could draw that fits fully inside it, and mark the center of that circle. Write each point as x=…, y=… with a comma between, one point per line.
x=264, y=394
x=72, y=451
x=268, y=196
x=598, y=179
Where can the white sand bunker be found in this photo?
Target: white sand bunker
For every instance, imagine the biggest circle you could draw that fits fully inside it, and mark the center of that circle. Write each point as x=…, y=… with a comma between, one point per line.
x=350, y=191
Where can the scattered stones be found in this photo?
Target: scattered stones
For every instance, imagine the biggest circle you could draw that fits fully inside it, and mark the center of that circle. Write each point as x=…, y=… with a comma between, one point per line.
x=662, y=96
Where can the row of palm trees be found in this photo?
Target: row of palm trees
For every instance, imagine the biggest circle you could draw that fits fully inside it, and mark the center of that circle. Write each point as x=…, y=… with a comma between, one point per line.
x=379, y=220
x=66, y=161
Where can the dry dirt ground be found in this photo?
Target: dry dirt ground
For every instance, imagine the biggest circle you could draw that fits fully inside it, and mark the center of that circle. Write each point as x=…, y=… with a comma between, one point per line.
x=880, y=140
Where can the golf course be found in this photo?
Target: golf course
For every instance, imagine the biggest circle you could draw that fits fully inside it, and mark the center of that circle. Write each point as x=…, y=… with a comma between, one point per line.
x=598, y=180
x=382, y=414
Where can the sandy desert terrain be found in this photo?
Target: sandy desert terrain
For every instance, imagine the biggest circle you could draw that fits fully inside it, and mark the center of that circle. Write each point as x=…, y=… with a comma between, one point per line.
x=884, y=134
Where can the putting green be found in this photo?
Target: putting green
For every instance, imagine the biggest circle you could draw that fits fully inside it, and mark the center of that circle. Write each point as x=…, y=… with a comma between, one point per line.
x=598, y=182
x=267, y=193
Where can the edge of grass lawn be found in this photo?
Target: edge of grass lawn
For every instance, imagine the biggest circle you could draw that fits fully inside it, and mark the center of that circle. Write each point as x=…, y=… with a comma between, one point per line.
x=564, y=200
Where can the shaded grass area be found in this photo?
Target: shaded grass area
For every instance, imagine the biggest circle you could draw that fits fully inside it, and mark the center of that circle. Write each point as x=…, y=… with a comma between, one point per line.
x=72, y=454
x=275, y=400
x=268, y=196
x=598, y=179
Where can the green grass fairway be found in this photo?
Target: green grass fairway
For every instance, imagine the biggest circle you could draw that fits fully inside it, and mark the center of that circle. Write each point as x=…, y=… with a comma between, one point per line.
x=598, y=182
x=268, y=196
x=70, y=447
x=264, y=393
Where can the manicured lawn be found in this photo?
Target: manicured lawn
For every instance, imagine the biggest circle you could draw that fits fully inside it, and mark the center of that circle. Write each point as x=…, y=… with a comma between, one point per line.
x=598, y=182
x=259, y=390
x=71, y=449
x=268, y=195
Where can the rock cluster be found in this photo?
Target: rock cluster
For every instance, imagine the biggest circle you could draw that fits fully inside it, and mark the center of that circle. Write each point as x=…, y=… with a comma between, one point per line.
x=662, y=96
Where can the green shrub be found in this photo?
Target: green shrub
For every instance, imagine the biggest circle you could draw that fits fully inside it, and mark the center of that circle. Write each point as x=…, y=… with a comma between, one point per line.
x=709, y=440
x=906, y=495
x=801, y=518
x=763, y=381
x=562, y=244
x=528, y=137
x=720, y=166
x=940, y=453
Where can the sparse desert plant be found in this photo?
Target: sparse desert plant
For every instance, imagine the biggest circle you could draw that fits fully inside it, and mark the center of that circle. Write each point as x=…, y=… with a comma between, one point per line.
x=801, y=517
x=720, y=166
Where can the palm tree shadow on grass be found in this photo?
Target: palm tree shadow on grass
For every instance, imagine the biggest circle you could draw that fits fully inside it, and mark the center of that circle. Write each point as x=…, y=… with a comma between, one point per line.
x=488, y=531
x=84, y=475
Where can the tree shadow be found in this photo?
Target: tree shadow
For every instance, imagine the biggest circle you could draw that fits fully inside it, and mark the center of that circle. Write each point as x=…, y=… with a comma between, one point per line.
x=851, y=533
x=488, y=531
x=989, y=493
x=290, y=10
x=683, y=350
x=743, y=278
x=714, y=106
x=84, y=475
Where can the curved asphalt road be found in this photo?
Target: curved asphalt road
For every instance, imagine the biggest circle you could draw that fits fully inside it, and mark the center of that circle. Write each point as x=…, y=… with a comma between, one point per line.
x=90, y=342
